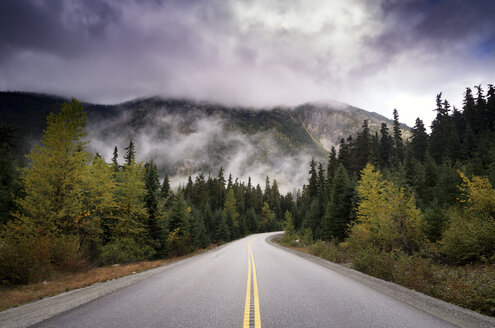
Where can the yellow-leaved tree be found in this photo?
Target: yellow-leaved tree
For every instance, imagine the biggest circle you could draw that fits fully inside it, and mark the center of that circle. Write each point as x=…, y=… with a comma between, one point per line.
x=387, y=217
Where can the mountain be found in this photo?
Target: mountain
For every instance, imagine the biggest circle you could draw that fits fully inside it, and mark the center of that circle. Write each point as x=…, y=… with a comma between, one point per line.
x=185, y=137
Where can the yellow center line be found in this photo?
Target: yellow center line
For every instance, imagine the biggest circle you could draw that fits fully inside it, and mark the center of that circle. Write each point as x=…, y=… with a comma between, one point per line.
x=257, y=319
x=248, y=292
x=247, y=307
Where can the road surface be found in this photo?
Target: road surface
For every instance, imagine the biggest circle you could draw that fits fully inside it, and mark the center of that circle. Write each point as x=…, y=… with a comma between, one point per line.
x=247, y=283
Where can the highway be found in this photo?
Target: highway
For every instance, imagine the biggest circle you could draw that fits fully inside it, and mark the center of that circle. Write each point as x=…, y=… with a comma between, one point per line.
x=247, y=283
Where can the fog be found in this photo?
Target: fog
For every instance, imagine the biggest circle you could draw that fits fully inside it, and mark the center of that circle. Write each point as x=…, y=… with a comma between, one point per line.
x=183, y=145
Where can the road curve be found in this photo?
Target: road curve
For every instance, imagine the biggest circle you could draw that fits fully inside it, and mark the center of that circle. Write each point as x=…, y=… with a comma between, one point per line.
x=247, y=283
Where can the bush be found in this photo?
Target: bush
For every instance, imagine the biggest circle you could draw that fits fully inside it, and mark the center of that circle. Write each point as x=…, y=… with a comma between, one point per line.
x=470, y=235
x=415, y=272
x=124, y=251
x=374, y=262
x=66, y=253
x=24, y=255
x=468, y=238
x=178, y=243
x=328, y=250
x=307, y=237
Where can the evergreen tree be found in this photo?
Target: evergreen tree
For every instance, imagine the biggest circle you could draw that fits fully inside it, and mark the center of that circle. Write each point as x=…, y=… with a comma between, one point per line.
x=115, y=160
x=165, y=189
x=230, y=214
x=419, y=141
x=331, y=166
x=155, y=223
x=386, y=146
x=338, y=210
x=130, y=156
x=362, y=151
x=274, y=201
x=9, y=177
x=398, y=144
x=313, y=180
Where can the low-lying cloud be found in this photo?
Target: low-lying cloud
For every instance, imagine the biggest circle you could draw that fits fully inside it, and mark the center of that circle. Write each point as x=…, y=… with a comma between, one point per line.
x=183, y=145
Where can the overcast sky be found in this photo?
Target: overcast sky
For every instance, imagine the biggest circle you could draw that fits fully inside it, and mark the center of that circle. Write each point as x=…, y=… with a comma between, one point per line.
x=376, y=55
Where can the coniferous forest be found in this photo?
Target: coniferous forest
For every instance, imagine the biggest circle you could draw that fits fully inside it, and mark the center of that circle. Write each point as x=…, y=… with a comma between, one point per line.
x=380, y=202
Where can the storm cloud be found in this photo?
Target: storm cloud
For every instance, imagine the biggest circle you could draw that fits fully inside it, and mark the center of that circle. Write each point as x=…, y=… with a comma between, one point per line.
x=376, y=55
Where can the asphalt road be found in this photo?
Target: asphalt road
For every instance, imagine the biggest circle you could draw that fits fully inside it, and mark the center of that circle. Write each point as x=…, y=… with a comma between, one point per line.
x=214, y=290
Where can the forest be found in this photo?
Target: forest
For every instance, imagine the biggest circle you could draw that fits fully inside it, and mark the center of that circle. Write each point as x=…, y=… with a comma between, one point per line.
x=420, y=212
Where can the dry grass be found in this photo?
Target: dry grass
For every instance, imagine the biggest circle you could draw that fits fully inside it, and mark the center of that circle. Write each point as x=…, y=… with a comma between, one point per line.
x=64, y=281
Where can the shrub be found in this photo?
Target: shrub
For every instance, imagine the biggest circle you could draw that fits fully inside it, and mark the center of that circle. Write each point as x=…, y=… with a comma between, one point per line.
x=66, y=253
x=415, y=272
x=124, y=251
x=470, y=235
x=24, y=254
x=307, y=237
x=374, y=262
x=328, y=250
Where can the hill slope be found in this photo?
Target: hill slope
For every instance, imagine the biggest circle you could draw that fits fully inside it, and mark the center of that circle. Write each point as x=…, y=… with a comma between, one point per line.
x=186, y=137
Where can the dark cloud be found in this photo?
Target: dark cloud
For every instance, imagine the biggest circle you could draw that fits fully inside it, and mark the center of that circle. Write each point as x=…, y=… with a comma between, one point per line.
x=62, y=28
x=391, y=53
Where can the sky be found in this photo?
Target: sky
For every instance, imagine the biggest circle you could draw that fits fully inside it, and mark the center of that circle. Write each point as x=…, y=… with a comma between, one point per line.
x=373, y=54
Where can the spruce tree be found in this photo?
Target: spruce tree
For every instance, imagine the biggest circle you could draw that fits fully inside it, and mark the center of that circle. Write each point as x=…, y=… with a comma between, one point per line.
x=155, y=224
x=130, y=155
x=386, y=146
x=115, y=160
x=419, y=140
x=398, y=143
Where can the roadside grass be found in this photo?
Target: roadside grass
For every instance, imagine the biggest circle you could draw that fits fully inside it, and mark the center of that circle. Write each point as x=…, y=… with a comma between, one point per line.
x=60, y=282
x=471, y=286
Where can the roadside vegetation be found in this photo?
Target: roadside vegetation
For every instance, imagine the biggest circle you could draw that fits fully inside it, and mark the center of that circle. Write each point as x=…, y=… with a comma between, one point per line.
x=420, y=213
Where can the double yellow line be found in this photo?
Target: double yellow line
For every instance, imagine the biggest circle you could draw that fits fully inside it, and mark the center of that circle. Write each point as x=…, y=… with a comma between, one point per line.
x=247, y=307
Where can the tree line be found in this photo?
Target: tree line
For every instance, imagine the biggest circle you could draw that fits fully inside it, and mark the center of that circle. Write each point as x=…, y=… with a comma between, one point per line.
x=69, y=208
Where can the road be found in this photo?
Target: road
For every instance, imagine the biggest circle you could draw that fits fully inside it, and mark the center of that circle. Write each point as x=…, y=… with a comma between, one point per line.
x=247, y=283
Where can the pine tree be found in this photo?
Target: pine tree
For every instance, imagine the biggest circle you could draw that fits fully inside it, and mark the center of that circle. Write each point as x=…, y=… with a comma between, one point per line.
x=267, y=218
x=419, y=141
x=130, y=156
x=9, y=177
x=398, y=143
x=386, y=146
x=336, y=218
x=274, y=201
x=362, y=151
x=155, y=224
x=165, y=189
x=331, y=166
x=230, y=213
x=313, y=180
x=115, y=158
